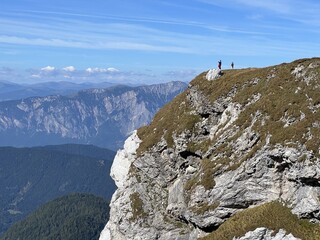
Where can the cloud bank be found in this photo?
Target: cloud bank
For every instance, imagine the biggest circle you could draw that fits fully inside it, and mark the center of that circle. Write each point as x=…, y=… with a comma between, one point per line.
x=93, y=74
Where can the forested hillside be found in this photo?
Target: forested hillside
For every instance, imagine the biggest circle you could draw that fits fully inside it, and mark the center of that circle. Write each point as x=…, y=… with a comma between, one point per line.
x=30, y=177
x=72, y=217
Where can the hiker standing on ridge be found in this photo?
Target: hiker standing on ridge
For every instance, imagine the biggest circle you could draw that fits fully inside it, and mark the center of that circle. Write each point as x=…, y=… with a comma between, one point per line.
x=232, y=65
x=219, y=65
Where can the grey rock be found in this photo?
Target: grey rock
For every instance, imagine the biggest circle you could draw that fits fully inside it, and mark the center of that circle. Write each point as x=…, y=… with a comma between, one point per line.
x=266, y=234
x=213, y=74
x=188, y=194
x=103, y=117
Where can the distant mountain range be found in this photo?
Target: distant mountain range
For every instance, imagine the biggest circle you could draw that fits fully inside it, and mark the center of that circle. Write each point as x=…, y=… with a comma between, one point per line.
x=30, y=177
x=14, y=91
x=102, y=117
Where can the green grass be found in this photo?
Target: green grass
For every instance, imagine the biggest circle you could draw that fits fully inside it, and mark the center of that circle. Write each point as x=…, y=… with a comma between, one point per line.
x=273, y=216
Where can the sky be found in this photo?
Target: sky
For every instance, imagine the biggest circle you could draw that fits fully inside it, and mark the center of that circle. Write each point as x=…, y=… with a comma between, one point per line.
x=150, y=41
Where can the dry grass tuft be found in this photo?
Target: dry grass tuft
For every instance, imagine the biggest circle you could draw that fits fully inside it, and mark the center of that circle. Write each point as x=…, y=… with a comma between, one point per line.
x=137, y=207
x=273, y=216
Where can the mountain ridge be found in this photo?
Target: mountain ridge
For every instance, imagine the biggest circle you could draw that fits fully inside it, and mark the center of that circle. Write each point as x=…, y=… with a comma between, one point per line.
x=246, y=139
x=102, y=117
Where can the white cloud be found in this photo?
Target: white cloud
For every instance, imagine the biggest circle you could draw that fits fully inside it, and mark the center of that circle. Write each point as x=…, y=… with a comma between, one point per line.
x=101, y=70
x=90, y=70
x=69, y=69
x=111, y=69
x=95, y=74
x=48, y=69
x=35, y=76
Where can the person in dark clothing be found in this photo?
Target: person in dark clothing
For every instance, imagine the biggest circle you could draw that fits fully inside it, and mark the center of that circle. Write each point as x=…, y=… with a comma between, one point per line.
x=219, y=64
x=232, y=65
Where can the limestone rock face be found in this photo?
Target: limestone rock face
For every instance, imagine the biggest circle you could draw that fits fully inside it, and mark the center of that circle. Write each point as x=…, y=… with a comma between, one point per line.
x=218, y=149
x=123, y=159
x=213, y=74
x=265, y=234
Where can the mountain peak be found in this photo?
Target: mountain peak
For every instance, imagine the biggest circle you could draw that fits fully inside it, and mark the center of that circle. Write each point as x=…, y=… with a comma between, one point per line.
x=280, y=102
x=244, y=140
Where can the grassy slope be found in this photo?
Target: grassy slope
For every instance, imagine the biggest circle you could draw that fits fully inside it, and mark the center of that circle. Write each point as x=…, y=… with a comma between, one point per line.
x=281, y=94
x=273, y=216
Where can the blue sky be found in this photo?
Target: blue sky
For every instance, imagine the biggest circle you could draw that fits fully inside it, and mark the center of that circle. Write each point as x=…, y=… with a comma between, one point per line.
x=150, y=41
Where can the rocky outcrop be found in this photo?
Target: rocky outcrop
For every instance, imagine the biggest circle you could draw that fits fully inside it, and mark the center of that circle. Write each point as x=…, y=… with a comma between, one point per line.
x=265, y=234
x=213, y=74
x=226, y=149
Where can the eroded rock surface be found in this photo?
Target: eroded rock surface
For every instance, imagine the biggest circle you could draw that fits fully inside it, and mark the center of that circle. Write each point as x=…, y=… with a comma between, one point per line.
x=239, y=152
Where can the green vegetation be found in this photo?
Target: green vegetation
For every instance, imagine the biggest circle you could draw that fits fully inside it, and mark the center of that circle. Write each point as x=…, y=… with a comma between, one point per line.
x=31, y=177
x=282, y=96
x=273, y=216
x=72, y=217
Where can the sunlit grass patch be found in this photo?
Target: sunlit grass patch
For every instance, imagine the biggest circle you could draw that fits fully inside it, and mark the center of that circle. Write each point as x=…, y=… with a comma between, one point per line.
x=273, y=215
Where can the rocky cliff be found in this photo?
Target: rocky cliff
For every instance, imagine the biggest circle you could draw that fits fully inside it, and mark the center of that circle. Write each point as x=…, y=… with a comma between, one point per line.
x=103, y=117
x=233, y=158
